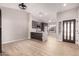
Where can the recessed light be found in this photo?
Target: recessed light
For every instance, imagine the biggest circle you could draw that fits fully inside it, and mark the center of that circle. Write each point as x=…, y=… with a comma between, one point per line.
x=50, y=21
x=40, y=14
x=64, y=4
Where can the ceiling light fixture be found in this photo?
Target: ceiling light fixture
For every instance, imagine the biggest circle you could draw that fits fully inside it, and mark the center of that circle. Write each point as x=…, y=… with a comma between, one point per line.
x=64, y=4
x=50, y=21
x=40, y=14
x=22, y=6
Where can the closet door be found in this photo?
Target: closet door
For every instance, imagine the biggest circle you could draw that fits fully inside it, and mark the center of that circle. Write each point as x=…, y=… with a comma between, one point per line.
x=69, y=31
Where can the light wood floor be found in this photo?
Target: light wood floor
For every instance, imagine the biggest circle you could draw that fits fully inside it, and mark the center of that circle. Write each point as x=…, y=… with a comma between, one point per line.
x=52, y=47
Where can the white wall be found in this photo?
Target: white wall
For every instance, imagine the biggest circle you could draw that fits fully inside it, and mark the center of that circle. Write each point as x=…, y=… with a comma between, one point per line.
x=29, y=26
x=14, y=25
x=77, y=27
x=67, y=15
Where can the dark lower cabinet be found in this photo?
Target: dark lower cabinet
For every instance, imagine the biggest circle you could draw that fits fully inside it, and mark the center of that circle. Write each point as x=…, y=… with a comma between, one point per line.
x=37, y=36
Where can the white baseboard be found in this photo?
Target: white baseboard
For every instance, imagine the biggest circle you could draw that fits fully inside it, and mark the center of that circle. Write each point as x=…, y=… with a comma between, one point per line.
x=77, y=43
x=60, y=40
x=12, y=41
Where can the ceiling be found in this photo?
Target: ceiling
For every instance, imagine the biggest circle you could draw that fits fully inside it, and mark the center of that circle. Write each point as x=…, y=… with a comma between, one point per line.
x=43, y=11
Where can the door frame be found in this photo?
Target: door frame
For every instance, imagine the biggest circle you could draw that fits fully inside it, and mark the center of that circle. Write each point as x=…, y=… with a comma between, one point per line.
x=70, y=31
x=0, y=32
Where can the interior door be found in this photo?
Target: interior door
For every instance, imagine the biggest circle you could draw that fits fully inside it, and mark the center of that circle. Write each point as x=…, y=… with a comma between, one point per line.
x=0, y=34
x=69, y=31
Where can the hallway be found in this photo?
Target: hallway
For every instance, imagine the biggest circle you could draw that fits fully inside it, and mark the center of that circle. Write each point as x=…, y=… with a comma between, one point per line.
x=38, y=48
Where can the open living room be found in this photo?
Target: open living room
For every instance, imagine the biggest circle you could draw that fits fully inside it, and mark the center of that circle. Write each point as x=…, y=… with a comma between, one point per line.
x=39, y=29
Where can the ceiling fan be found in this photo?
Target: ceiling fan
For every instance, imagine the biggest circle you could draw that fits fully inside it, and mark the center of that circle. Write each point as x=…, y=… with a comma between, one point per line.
x=22, y=6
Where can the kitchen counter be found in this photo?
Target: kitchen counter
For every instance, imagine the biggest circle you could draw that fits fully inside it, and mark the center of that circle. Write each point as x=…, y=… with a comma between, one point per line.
x=42, y=36
x=35, y=35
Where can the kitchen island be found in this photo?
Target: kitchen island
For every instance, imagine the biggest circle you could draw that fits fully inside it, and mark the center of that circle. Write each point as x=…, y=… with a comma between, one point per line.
x=39, y=36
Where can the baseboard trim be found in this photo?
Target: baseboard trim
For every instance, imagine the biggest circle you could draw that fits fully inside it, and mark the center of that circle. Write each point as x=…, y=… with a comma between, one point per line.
x=77, y=43
x=12, y=41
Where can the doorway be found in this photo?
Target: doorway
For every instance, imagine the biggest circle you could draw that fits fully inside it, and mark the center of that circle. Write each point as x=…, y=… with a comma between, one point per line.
x=69, y=31
x=0, y=34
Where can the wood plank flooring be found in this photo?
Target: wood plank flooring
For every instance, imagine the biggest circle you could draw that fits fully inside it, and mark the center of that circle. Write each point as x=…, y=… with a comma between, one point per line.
x=32, y=47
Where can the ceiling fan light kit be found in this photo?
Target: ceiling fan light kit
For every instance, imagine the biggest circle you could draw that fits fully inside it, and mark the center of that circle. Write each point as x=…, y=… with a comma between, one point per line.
x=22, y=6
